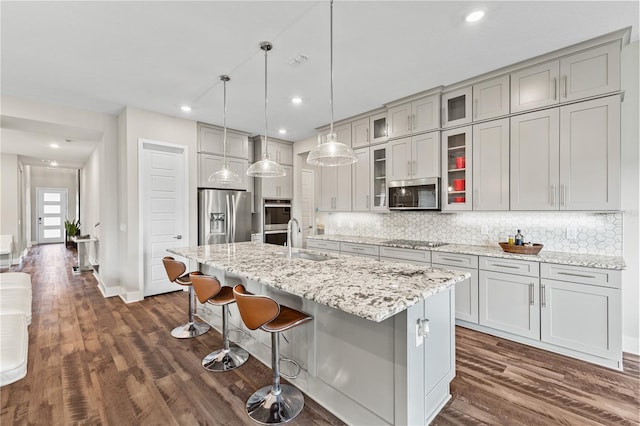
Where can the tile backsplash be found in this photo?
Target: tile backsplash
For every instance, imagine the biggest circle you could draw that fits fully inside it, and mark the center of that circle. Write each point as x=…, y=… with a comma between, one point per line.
x=596, y=233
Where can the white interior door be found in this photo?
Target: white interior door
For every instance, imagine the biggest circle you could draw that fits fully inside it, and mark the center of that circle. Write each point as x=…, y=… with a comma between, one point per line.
x=164, y=212
x=52, y=211
x=307, y=205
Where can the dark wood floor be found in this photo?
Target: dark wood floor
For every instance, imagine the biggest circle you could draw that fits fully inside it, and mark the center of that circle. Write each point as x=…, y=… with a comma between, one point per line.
x=100, y=361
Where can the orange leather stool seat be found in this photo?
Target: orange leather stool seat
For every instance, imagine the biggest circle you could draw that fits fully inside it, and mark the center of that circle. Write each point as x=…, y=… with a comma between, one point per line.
x=176, y=273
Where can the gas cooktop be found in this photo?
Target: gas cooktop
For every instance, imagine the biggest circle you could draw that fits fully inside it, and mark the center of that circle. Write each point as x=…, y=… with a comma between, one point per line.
x=415, y=243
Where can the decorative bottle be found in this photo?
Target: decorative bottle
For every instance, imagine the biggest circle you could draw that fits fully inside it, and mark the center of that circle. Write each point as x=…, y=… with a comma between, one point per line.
x=519, y=239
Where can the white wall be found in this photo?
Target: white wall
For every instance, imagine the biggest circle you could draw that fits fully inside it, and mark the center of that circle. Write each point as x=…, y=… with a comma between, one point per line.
x=53, y=177
x=630, y=196
x=91, y=202
x=135, y=124
x=10, y=201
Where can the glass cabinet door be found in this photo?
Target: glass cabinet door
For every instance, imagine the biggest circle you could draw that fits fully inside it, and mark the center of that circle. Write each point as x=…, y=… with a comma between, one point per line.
x=456, y=164
x=379, y=177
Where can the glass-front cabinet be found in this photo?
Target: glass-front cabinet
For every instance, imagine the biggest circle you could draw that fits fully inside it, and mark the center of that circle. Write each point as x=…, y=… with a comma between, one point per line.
x=456, y=165
x=379, y=177
x=456, y=107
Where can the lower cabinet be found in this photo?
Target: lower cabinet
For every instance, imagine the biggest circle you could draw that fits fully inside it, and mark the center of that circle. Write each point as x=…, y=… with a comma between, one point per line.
x=509, y=303
x=467, y=290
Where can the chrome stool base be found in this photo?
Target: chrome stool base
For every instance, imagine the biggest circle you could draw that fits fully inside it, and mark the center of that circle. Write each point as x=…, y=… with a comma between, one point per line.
x=222, y=360
x=191, y=329
x=268, y=409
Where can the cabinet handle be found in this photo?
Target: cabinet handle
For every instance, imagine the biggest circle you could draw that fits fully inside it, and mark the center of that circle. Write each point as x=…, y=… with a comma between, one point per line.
x=530, y=294
x=552, y=195
x=368, y=135
x=357, y=249
x=413, y=121
x=543, y=297
x=577, y=275
x=367, y=201
x=450, y=259
x=475, y=108
x=408, y=123
x=555, y=89
x=409, y=168
x=475, y=199
x=413, y=170
x=562, y=194
x=504, y=266
x=565, y=85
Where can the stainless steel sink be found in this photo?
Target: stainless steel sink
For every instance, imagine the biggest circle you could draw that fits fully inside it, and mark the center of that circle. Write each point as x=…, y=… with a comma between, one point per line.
x=309, y=256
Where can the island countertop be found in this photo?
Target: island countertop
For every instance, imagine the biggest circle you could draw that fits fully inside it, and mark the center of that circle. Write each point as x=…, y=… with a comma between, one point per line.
x=359, y=286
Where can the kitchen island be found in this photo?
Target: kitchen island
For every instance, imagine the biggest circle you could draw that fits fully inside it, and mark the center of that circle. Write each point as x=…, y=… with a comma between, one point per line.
x=380, y=349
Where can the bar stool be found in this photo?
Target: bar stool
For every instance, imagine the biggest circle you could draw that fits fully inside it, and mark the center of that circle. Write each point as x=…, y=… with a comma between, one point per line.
x=175, y=271
x=275, y=404
x=208, y=289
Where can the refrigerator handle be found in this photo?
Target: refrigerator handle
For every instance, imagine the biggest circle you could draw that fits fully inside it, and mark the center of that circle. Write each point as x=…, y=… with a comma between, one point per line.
x=233, y=218
x=227, y=224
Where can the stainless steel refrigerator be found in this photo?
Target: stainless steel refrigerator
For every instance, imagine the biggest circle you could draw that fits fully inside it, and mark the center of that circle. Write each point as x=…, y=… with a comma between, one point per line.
x=224, y=216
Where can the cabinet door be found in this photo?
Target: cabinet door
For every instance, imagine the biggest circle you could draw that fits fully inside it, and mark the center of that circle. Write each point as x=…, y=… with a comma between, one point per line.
x=399, y=159
x=425, y=114
x=361, y=181
x=328, y=185
x=343, y=188
x=239, y=166
x=535, y=147
x=457, y=179
x=581, y=317
x=535, y=87
x=237, y=145
x=425, y=155
x=280, y=152
x=378, y=127
x=269, y=187
x=456, y=107
x=510, y=303
x=590, y=155
x=593, y=72
x=466, y=294
x=491, y=98
x=285, y=184
x=208, y=164
x=491, y=165
x=343, y=134
x=360, y=133
x=378, y=192
x=210, y=140
x=399, y=118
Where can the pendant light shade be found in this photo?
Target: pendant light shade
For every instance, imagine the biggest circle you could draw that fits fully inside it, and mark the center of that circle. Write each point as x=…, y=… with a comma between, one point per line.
x=225, y=176
x=266, y=167
x=332, y=152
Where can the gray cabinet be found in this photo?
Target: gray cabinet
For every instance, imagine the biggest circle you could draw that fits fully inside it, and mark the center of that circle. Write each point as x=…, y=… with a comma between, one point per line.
x=335, y=188
x=362, y=250
x=378, y=200
x=456, y=107
x=360, y=133
x=467, y=290
x=361, y=180
x=491, y=98
x=491, y=165
x=342, y=131
x=278, y=187
x=414, y=257
x=211, y=141
x=567, y=158
x=415, y=157
x=457, y=164
x=281, y=152
x=420, y=115
x=589, y=73
x=208, y=164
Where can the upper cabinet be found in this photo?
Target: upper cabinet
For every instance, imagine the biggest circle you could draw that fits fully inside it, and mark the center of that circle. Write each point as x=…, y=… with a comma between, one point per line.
x=211, y=141
x=360, y=133
x=369, y=130
x=491, y=98
x=361, y=180
x=415, y=157
x=281, y=152
x=414, y=117
x=457, y=165
x=581, y=75
x=491, y=165
x=342, y=131
x=567, y=158
x=456, y=107
x=208, y=164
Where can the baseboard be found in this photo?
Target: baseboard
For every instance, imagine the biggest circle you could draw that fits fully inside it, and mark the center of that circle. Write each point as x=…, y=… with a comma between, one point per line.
x=631, y=345
x=107, y=291
x=131, y=296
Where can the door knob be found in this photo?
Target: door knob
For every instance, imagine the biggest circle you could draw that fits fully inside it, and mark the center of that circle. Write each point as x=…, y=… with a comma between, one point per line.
x=178, y=237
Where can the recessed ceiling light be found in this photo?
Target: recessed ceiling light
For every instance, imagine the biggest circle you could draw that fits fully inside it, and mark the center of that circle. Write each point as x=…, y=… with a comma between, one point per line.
x=54, y=163
x=185, y=108
x=296, y=100
x=282, y=131
x=474, y=16
x=54, y=145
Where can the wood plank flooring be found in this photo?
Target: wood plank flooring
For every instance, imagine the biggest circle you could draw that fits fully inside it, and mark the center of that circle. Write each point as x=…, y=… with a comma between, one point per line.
x=100, y=361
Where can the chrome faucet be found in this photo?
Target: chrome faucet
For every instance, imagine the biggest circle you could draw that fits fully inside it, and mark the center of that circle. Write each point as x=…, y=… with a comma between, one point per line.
x=289, y=229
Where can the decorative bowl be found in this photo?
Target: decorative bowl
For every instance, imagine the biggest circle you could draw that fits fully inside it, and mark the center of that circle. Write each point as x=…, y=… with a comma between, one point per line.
x=512, y=248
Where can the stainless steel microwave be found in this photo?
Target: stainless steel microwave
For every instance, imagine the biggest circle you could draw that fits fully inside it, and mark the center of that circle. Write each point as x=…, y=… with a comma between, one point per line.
x=416, y=194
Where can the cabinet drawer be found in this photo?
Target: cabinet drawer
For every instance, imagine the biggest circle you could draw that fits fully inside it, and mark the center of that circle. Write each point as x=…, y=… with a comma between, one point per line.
x=580, y=274
x=519, y=267
x=406, y=254
x=454, y=259
x=360, y=249
x=323, y=245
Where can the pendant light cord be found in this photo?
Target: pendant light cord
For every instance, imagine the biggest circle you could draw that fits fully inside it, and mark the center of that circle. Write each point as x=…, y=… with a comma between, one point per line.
x=224, y=79
x=264, y=142
x=331, y=60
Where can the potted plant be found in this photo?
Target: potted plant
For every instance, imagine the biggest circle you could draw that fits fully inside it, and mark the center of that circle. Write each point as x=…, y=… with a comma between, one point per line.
x=72, y=229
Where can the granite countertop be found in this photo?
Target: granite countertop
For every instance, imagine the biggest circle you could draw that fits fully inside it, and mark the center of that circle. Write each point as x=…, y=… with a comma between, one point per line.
x=363, y=287
x=575, y=259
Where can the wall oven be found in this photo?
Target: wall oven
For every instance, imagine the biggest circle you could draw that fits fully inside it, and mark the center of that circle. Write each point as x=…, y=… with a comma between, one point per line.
x=417, y=194
x=276, y=215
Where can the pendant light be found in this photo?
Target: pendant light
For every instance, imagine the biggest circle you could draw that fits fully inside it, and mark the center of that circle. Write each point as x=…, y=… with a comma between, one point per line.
x=225, y=176
x=331, y=152
x=266, y=167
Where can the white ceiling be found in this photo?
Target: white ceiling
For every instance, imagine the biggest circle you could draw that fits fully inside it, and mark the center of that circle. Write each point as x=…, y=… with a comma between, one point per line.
x=103, y=56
